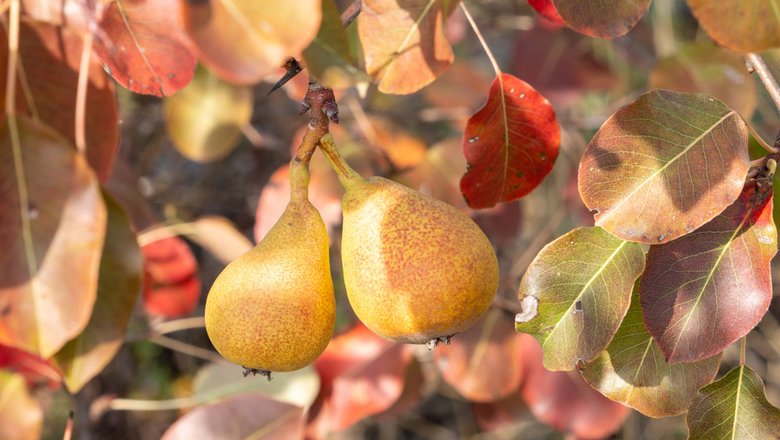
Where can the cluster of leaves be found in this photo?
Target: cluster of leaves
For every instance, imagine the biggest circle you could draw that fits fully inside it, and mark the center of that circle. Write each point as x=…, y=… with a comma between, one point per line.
x=645, y=328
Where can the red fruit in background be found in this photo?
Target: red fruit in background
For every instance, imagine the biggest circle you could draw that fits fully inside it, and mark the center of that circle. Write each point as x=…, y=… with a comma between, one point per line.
x=171, y=284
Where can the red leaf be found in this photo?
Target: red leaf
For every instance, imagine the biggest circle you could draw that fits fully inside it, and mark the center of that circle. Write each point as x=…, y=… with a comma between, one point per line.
x=547, y=10
x=171, y=284
x=709, y=288
x=510, y=144
x=361, y=375
x=564, y=401
x=34, y=369
x=144, y=47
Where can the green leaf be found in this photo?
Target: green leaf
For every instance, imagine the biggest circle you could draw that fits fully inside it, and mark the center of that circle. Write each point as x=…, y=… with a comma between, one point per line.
x=733, y=407
x=633, y=371
x=740, y=25
x=664, y=165
x=329, y=57
x=704, y=291
x=575, y=294
x=119, y=283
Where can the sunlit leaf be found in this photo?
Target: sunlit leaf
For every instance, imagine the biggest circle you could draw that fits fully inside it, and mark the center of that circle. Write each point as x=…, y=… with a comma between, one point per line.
x=329, y=57
x=21, y=416
x=223, y=379
x=487, y=346
x=704, y=291
x=633, y=371
x=247, y=416
x=733, y=407
x=575, y=294
x=52, y=244
x=220, y=237
x=704, y=67
x=143, y=46
x=664, y=165
x=50, y=71
x=510, y=144
x=741, y=25
x=171, y=285
x=403, y=42
x=564, y=401
x=602, y=18
x=205, y=119
x=547, y=10
x=244, y=40
x=119, y=283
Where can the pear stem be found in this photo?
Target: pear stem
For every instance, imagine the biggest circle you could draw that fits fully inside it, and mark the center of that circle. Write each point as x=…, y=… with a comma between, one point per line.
x=322, y=103
x=344, y=172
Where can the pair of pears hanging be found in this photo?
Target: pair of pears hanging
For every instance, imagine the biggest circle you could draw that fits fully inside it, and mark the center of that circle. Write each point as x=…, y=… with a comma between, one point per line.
x=416, y=270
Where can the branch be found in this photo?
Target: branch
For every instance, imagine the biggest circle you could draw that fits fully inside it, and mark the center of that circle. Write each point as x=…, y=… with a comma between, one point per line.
x=756, y=64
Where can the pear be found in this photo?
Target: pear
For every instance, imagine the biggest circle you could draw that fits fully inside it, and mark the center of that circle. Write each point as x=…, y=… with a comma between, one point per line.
x=273, y=309
x=416, y=269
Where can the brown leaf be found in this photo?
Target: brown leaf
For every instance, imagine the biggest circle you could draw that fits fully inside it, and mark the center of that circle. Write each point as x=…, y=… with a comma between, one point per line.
x=481, y=363
x=602, y=18
x=247, y=416
x=205, y=119
x=664, y=165
x=510, y=144
x=740, y=25
x=143, y=46
x=51, y=242
x=709, y=288
x=119, y=283
x=50, y=69
x=564, y=401
x=21, y=416
x=403, y=42
x=244, y=40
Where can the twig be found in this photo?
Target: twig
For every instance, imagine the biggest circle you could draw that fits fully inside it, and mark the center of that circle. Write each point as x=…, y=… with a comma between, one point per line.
x=68, y=427
x=185, y=348
x=178, y=325
x=756, y=64
x=761, y=140
x=483, y=43
x=350, y=14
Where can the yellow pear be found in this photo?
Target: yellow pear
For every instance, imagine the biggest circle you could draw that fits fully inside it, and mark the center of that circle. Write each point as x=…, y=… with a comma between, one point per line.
x=273, y=308
x=416, y=269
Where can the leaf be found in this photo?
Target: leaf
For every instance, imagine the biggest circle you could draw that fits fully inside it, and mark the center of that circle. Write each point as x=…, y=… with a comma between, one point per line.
x=664, y=165
x=220, y=237
x=564, y=401
x=119, y=283
x=751, y=25
x=735, y=407
x=361, y=375
x=171, y=284
x=704, y=291
x=51, y=243
x=575, y=294
x=247, y=416
x=21, y=416
x=481, y=363
x=329, y=57
x=633, y=371
x=510, y=144
x=35, y=370
x=704, y=67
x=143, y=46
x=547, y=10
x=50, y=71
x=242, y=41
x=403, y=42
x=602, y=18
x=205, y=119
x=223, y=379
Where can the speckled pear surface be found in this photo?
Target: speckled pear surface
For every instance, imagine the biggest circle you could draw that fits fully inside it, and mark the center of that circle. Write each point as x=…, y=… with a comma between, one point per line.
x=415, y=268
x=273, y=308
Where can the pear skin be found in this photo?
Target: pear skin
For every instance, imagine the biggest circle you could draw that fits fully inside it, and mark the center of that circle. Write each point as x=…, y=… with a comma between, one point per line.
x=415, y=269
x=273, y=309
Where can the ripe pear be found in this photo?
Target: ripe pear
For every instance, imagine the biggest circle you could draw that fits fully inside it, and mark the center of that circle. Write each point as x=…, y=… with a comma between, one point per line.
x=416, y=269
x=273, y=308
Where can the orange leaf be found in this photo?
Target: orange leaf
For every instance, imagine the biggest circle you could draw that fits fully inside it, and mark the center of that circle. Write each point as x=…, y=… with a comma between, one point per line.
x=143, y=46
x=510, y=144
